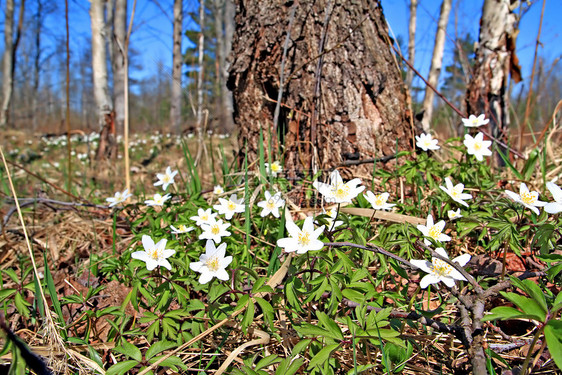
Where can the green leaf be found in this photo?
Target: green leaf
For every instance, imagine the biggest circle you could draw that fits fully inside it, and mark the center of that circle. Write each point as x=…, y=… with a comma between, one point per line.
x=248, y=316
x=121, y=367
x=22, y=305
x=300, y=346
x=267, y=361
x=314, y=331
x=322, y=356
x=353, y=295
x=289, y=366
x=504, y=313
x=527, y=305
x=267, y=310
x=129, y=350
x=172, y=362
x=530, y=164
x=5, y=293
x=158, y=347
x=553, y=335
x=330, y=325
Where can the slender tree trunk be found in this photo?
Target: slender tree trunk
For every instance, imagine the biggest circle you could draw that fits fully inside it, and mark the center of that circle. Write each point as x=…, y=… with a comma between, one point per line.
x=200, y=74
x=107, y=144
x=342, y=58
x=36, y=63
x=224, y=27
x=8, y=63
x=436, y=63
x=118, y=62
x=495, y=57
x=175, y=110
x=412, y=41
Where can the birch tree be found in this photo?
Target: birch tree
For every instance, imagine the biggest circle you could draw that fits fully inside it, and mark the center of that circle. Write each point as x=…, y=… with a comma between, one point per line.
x=411, y=41
x=107, y=145
x=436, y=63
x=118, y=61
x=175, y=110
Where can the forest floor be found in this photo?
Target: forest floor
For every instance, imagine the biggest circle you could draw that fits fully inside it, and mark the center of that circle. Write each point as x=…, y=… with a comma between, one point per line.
x=110, y=312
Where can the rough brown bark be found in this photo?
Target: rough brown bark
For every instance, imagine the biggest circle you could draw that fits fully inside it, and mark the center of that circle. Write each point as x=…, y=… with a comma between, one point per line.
x=411, y=41
x=495, y=56
x=343, y=98
x=118, y=61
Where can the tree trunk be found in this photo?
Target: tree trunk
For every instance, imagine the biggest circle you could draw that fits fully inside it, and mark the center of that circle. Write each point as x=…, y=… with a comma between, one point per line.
x=411, y=41
x=107, y=142
x=343, y=98
x=175, y=110
x=495, y=55
x=8, y=63
x=118, y=61
x=436, y=63
x=224, y=27
x=200, y=73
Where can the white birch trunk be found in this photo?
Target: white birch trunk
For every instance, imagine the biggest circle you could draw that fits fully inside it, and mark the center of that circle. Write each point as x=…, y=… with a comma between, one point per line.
x=411, y=41
x=175, y=110
x=118, y=62
x=99, y=62
x=8, y=63
x=436, y=63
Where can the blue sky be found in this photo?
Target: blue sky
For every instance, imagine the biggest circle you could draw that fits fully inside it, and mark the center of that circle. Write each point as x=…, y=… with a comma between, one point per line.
x=152, y=34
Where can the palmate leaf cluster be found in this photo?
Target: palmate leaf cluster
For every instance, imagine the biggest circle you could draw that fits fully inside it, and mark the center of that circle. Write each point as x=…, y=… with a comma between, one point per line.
x=336, y=308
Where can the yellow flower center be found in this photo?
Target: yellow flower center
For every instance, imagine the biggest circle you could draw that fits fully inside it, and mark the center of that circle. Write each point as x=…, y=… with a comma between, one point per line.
x=441, y=267
x=427, y=142
x=477, y=146
x=166, y=179
x=341, y=191
x=456, y=192
x=474, y=121
x=275, y=167
x=204, y=217
x=434, y=232
x=270, y=204
x=380, y=200
x=231, y=206
x=154, y=253
x=182, y=228
x=215, y=229
x=213, y=264
x=304, y=238
x=529, y=197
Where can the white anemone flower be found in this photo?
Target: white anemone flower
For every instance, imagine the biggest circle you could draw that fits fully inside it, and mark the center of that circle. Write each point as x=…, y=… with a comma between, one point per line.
x=271, y=204
x=213, y=263
x=273, y=168
x=181, y=229
x=477, y=146
x=218, y=190
x=453, y=215
x=165, y=179
x=303, y=240
x=214, y=231
x=228, y=207
x=434, y=231
x=204, y=217
x=474, y=122
x=118, y=198
x=157, y=200
x=439, y=270
x=556, y=206
x=154, y=255
x=378, y=201
x=455, y=192
x=337, y=191
x=529, y=199
x=427, y=142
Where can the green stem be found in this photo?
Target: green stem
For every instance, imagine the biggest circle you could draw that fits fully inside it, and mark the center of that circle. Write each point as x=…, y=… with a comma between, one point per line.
x=531, y=347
